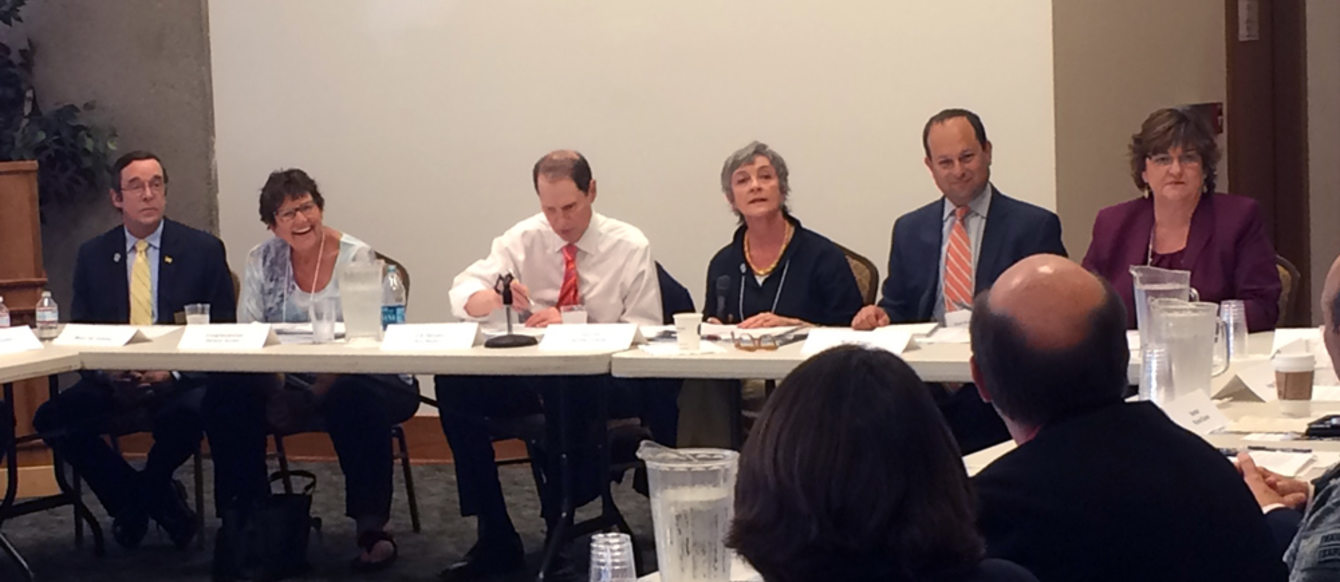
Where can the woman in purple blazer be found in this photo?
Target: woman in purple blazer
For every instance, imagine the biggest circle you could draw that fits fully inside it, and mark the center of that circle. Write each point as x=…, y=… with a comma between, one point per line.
x=1181, y=223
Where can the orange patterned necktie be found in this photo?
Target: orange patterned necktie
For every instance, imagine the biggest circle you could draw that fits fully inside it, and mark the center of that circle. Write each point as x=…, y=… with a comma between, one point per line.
x=958, y=265
x=567, y=294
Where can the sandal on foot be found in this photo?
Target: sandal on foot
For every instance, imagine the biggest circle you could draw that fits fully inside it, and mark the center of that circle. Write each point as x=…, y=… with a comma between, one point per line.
x=368, y=540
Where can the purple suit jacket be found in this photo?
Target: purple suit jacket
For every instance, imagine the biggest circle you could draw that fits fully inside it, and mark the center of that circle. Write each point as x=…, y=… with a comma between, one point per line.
x=1227, y=252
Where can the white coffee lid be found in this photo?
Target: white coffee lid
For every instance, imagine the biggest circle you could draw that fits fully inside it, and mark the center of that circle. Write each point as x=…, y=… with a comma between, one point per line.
x=1294, y=362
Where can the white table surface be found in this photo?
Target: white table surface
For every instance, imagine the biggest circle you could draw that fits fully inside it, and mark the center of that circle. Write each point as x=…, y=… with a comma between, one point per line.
x=941, y=362
x=161, y=353
x=37, y=363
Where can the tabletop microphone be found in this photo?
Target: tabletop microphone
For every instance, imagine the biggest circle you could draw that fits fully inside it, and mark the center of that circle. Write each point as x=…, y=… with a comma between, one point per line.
x=510, y=340
x=723, y=289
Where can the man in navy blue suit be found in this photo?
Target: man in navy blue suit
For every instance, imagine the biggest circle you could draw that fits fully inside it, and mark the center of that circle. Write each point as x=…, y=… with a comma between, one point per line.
x=141, y=272
x=946, y=252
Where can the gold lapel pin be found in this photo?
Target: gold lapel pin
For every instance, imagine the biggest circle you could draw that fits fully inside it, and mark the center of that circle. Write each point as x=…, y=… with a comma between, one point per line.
x=167, y=259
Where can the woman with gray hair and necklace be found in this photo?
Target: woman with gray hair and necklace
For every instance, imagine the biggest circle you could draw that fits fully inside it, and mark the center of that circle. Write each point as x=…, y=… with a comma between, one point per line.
x=774, y=272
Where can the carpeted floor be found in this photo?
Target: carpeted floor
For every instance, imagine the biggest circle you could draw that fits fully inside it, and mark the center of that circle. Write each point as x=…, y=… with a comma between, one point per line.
x=47, y=539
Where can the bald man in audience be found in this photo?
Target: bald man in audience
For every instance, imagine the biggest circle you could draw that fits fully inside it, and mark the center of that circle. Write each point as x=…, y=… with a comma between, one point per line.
x=1305, y=517
x=1098, y=489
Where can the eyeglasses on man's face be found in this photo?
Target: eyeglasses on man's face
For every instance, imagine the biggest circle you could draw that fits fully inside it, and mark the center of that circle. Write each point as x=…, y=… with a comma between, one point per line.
x=136, y=186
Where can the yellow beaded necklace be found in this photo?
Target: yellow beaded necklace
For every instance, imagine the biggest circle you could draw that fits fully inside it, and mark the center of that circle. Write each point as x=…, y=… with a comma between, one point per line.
x=764, y=272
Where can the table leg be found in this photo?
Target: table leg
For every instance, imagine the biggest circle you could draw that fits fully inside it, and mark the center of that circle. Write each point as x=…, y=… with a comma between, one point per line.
x=558, y=530
x=72, y=493
x=11, y=453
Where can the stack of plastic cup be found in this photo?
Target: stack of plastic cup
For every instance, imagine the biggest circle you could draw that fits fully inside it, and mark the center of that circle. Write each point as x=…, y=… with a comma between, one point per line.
x=1156, y=375
x=1234, y=314
x=612, y=558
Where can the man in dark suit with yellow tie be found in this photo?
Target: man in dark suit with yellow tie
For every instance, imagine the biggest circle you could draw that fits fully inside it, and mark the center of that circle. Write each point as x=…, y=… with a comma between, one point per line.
x=142, y=272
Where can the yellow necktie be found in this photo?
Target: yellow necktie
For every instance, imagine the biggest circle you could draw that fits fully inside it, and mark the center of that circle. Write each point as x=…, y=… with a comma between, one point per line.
x=141, y=295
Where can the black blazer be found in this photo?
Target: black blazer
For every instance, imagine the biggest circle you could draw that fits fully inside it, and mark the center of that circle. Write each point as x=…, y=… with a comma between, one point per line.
x=1122, y=493
x=192, y=268
x=1014, y=230
x=813, y=282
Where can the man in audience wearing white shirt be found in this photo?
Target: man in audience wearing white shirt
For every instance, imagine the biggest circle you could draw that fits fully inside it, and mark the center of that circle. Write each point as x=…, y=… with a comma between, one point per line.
x=568, y=255
x=1098, y=489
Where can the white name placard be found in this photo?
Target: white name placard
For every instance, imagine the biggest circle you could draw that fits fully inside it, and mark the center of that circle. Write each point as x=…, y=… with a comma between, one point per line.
x=431, y=336
x=18, y=339
x=227, y=336
x=886, y=338
x=589, y=337
x=1196, y=413
x=97, y=336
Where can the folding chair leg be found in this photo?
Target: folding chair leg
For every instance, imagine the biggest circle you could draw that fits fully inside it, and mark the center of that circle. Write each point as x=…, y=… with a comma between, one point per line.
x=199, y=465
x=283, y=463
x=14, y=554
x=398, y=432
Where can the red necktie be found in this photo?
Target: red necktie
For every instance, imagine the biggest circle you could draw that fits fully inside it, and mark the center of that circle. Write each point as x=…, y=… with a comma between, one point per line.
x=567, y=294
x=958, y=265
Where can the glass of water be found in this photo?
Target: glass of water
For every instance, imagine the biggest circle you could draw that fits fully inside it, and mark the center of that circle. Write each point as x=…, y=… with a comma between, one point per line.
x=324, y=312
x=197, y=314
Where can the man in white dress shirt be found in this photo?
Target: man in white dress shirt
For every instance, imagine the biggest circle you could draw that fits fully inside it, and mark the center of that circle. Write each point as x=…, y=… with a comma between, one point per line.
x=566, y=255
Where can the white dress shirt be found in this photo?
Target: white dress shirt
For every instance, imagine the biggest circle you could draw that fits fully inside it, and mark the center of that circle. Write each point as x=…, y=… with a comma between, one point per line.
x=616, y=276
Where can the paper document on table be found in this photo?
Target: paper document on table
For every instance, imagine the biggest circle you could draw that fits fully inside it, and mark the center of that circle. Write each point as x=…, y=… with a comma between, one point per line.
x=658, y=333
x=884, y=338
x=1326, y=393
x=947, y=335
x=154, y=332
x=1195, y=412
x=1302, y=339
x=1270, y=437
x=1268, y=424
x=97, y=335
x=412, y=337
x=914, y=329
x=227, y=336
x=590, y=336
x=18, y=339
x=1287, y=463
x=672, y=349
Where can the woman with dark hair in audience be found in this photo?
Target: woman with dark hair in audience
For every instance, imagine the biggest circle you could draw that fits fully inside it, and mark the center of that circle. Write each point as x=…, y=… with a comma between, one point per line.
x=852, y=475
x=1181, y=223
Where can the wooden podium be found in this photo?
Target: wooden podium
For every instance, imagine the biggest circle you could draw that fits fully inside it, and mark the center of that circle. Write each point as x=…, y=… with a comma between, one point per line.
x=22, y=277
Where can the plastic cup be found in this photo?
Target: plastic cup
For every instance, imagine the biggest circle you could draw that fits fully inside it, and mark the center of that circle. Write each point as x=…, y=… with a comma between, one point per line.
x=197, y=314
x=1293, y=382
x=1234, y=314
x=324, y=312
x=692, y=503
x=612, y=558
x=1156, y=375
x=686, y=332
x=573, y=314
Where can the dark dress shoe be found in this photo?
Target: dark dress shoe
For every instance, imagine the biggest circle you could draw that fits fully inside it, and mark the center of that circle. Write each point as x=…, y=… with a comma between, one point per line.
x=487, y=558
x=175, y=516
x=129, y=527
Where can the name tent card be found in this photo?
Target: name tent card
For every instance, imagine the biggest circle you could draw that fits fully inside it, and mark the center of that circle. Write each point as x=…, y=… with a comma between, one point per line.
x=431, y=336
x=18, y=339
x=227, y=336
x=611, y=337
x=886, y=338
x=1196, y=413
x=98, y=336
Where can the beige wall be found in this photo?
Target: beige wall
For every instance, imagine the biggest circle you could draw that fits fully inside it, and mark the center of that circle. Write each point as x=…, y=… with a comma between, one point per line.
x=1116, y=62
x=1323, y=115
x=146, y=63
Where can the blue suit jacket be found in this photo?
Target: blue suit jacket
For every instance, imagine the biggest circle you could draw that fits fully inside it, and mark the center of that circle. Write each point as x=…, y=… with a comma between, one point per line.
x=192, y=268
x=1014, y=230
